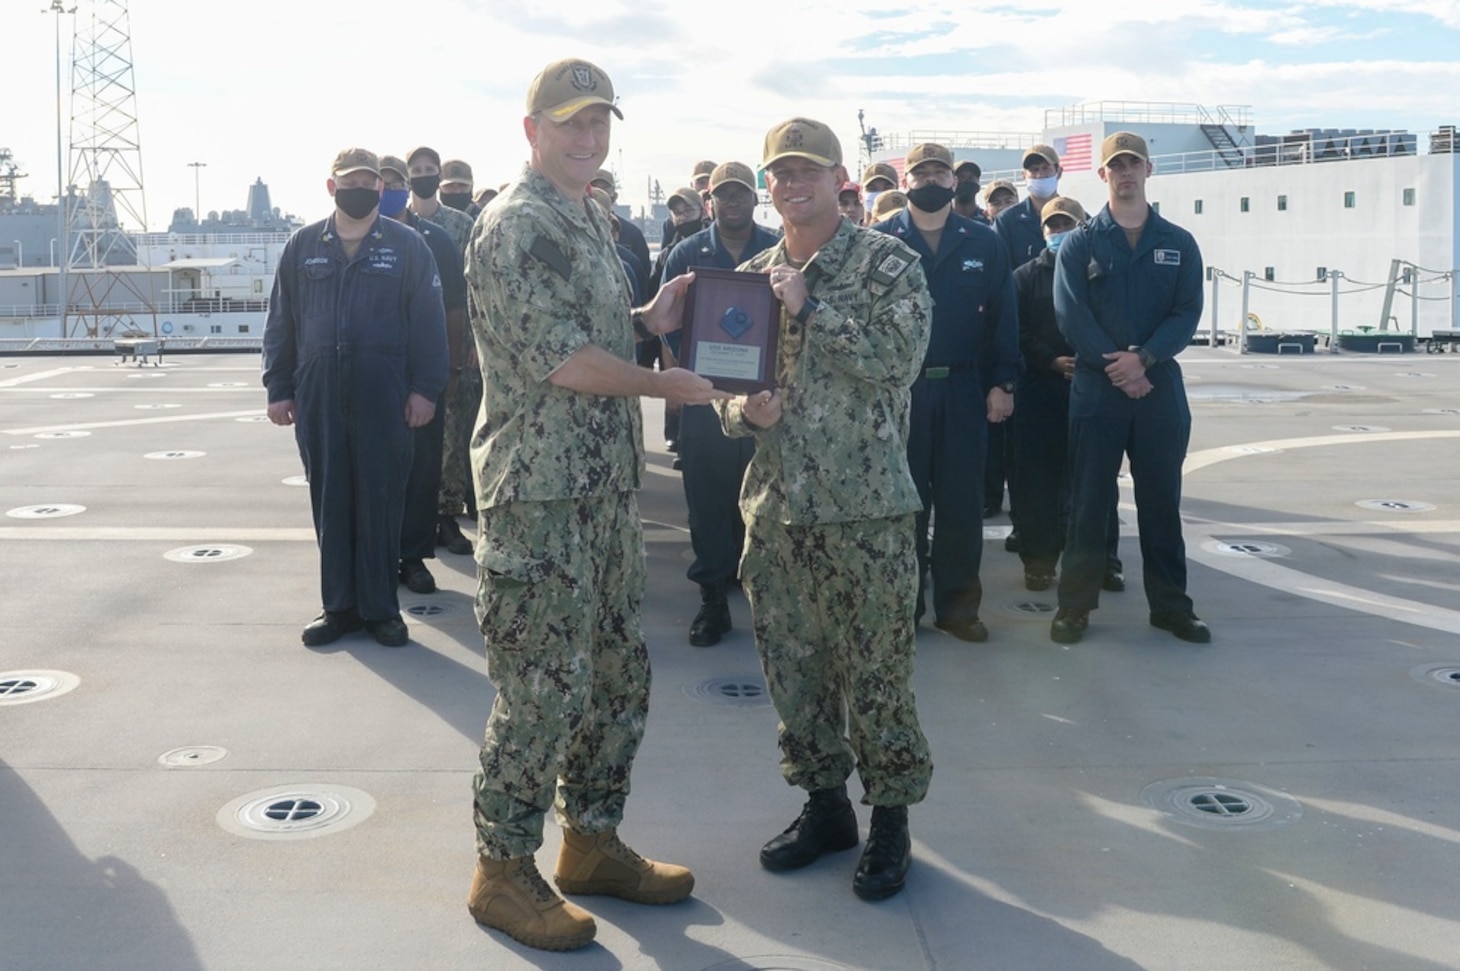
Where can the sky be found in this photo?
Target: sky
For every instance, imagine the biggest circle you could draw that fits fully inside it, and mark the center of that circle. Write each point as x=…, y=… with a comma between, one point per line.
x=274, y=89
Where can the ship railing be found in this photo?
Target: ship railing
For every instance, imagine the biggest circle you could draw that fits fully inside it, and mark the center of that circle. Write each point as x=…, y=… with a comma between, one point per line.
x=961, y=139
x=1149, y=113
x=220, y=305
x=1305, y=152
x=1403, y=282
x=210, y=239
x=191, y=305
x=28, y=310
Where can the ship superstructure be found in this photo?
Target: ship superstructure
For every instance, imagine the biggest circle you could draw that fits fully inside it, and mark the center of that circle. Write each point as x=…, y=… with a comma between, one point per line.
x=1319, y=230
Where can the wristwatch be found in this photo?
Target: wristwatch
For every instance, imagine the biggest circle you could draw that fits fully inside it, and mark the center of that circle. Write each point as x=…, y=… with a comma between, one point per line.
x=807, y=309
x=1007, y=387
x=641, y=330
x=1148, y=360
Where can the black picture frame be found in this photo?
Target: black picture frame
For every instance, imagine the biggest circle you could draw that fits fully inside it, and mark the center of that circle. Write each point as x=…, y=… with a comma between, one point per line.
x=732, y=330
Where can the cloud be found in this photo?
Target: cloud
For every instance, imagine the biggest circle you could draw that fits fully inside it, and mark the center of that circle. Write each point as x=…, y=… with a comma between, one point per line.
x=1317, y=36
x=1444, y=12
x=606, y=25
x=294, y=82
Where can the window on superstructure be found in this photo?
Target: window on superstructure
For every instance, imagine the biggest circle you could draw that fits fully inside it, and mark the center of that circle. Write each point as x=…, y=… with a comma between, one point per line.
x=243, y=328
x=1349, y=199
x=1245, y=204
x=1269, y=273
x=1196, y=207
x=1409, y=197
x=1282, y=203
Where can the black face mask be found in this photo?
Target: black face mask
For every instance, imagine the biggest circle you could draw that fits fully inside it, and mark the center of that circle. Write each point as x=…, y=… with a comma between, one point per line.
x=425, y=186
x=930, y=197
x=686, y=230
x=357, y=203
x=456, y=200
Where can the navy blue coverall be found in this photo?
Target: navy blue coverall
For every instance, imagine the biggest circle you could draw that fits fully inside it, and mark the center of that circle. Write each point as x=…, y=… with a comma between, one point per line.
x=1041, y=422
x=713, y=465
x=348, y=339
x=1022, y=231
x=975, y=339
x=423, y=488
x=1020, y=228
x=1110, y=297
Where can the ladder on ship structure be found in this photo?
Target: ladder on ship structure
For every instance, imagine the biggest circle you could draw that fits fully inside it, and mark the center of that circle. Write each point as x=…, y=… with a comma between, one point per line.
x=1227, y=149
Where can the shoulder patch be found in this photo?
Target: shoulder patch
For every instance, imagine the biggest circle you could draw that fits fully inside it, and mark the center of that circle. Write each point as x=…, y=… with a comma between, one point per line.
x=890, y=268
x=552, y=254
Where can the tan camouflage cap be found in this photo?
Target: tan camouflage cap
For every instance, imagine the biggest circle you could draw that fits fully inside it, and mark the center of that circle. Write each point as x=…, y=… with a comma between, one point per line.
x=1042, y=151
x=927, y=152
x=1000, y=185
x=1123, y=143
x=604, y=177
x=1062, y=206
x=878, y=170
x=427, y=150
x=732, y=172
x=604, y=200
x=355, y=160
x=969, y=164
x=455, y=170
x=703, y=167
x=888, y=202
x=395, y=165
x=566, y=87
x=688, y=196
x=802, y=138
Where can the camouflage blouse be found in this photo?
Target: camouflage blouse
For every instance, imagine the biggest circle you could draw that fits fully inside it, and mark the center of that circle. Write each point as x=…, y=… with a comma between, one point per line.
x=545, y=281
x=839, y=452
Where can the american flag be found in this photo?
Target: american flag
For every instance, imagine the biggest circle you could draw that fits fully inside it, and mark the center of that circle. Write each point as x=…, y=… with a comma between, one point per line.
x=1075, y=154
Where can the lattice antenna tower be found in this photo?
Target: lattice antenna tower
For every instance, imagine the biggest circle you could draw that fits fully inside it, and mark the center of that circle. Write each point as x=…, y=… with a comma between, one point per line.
x=105, y=178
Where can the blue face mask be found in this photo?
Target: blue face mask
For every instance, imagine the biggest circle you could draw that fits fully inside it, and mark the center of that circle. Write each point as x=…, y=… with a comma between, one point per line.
x=392, y=201
x=1052, y=242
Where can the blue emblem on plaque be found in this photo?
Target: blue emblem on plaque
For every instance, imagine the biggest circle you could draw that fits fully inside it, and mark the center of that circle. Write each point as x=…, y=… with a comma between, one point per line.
x=736, y=322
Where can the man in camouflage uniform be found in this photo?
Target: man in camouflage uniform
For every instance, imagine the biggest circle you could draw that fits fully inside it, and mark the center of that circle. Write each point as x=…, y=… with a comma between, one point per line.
x=464, y=396
x=558, y=459
x=464, y=389
x=829, y=566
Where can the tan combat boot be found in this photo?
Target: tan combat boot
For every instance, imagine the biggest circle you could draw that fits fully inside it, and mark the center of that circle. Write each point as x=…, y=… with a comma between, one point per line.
x=512, y=896
x=600, y=863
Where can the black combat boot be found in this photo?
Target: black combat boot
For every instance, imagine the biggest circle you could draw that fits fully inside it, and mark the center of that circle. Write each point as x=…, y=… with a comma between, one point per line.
x=713, y=620
x=827, y=823
x=449, y=535
x=883, y=868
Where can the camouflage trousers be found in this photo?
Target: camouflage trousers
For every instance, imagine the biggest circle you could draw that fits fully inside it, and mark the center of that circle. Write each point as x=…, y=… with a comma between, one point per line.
x=832, y=607
x=559, y=594
x=461, y=416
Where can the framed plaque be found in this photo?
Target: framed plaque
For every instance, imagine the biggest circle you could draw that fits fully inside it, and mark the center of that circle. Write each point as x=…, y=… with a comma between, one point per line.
x=732, y=328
